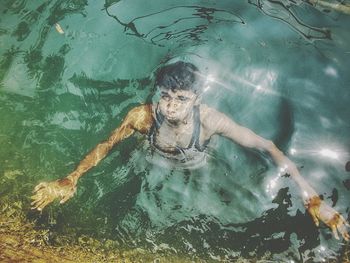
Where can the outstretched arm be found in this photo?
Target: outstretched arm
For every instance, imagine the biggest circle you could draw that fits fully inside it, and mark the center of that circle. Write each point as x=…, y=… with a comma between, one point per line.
x=318, y=209
x=138, y=119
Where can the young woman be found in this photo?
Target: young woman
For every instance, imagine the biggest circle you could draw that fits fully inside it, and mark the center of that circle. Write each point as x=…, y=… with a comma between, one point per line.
x=179, y=128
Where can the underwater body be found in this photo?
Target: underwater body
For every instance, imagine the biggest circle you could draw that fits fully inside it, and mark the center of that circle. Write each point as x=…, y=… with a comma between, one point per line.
x=71, y=70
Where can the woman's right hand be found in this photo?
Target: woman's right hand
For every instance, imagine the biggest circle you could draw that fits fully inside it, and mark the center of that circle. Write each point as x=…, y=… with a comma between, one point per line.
x=46, y=192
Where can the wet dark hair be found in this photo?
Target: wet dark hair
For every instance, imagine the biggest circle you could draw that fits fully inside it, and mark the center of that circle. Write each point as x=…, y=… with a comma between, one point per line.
x=179, y=76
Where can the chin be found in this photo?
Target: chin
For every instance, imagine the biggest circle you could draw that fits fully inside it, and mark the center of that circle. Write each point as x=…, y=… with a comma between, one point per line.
x=172, y=120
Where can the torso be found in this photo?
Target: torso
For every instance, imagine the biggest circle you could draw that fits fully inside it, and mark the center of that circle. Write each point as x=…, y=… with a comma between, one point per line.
x=185, y=144
x=168, y=139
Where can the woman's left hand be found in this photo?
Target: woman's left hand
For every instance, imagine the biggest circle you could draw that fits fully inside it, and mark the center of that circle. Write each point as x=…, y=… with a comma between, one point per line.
x=320, y=211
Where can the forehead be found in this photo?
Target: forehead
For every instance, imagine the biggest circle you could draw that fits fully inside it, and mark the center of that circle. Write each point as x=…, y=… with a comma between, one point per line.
x=177, y=92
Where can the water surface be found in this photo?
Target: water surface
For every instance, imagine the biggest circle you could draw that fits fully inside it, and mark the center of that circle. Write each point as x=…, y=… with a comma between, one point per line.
x=281, y=69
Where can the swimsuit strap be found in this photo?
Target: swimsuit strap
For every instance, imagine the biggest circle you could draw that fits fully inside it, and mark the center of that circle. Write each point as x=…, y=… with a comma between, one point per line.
x=159, y=117
x=197, y=131
x=155, y=125
x=195, y=134
x=196, y=127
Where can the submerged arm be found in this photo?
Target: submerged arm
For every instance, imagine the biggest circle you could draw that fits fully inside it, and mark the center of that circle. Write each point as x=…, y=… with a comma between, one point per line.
x=138, y=119
x=315, y=206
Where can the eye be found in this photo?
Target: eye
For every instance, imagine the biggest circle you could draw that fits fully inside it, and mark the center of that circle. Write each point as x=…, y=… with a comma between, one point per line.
x=165, y=96
x=183, y=98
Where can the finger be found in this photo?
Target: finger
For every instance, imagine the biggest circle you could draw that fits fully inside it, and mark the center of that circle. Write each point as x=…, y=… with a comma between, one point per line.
x=342, y=223
x=343, y=220
x=34, y=197
x=64, y=199
x=39, y=186
x=42, y=191
x=40, y=204
x=317, y=213
x=45, y=203
x=314, y=217
x=35, y=206
x=342, y=229
x=69, y=195
x=37, y=199
x=346, y=236
x=335, y=232
x=35, y=202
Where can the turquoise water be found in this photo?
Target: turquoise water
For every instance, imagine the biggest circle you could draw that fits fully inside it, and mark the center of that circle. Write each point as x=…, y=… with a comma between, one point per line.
x=280, y=68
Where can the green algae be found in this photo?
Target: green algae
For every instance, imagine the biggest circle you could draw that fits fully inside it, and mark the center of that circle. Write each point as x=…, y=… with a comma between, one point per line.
x=22, y=240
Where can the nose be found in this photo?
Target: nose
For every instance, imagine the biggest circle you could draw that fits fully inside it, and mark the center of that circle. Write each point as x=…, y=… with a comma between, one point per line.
x=172, y=105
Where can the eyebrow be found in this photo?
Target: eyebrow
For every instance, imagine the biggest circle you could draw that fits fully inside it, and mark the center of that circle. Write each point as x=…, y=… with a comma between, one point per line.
x=183, y=96
x=164, y=93
x=177, y=96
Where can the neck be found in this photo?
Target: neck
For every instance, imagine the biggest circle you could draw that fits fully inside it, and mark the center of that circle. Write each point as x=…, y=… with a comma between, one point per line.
x=181, y=124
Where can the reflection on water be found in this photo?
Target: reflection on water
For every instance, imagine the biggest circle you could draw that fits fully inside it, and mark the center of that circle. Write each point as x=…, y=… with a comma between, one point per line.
x=280, y=69
x=166, y=25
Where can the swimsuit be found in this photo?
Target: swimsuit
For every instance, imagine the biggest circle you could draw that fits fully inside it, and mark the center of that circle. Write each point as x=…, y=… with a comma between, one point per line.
x=192, y=155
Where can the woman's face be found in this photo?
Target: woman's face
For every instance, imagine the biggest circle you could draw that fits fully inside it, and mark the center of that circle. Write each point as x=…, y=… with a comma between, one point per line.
x=176, y=105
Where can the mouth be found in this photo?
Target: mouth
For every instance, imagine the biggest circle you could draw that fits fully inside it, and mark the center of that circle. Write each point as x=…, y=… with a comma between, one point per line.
x=171, y=118
x=170, y=115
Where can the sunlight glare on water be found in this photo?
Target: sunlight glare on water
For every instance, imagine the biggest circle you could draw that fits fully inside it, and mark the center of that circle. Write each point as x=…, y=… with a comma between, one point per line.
x=71, y=70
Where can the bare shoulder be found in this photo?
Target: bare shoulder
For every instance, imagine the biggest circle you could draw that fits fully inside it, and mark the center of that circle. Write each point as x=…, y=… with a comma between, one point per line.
x=209, y=114
x=143, y=109
x=210, y=118
x=214, y=121
x=140, y=118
